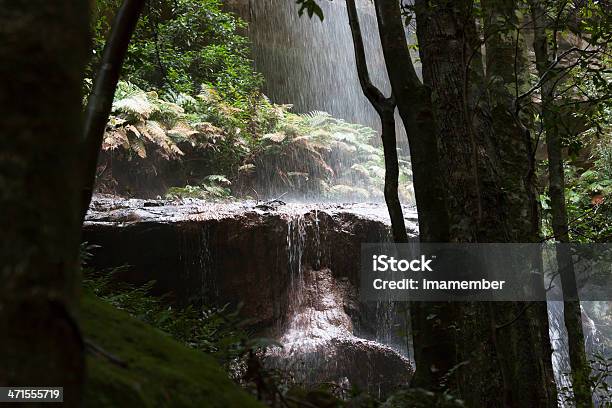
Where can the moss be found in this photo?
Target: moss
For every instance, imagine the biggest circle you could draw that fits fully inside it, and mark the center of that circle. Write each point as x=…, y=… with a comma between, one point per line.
x=158, y=371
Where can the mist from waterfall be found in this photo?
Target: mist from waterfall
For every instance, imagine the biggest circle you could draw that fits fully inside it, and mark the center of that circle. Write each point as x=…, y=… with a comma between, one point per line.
x=311, y=64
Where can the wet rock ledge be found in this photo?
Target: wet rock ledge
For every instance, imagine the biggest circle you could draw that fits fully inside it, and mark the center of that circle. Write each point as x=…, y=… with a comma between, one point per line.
x=294, y=267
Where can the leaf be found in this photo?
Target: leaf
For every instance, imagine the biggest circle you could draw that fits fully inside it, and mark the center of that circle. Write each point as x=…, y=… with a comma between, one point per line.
x=114, y=139
x=275, y=137
x=311, y=7
x=138, y=146
x=218, y=178
x=136, y=105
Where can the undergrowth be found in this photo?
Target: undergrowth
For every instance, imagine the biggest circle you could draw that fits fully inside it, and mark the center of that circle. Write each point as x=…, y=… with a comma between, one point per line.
x=222, y=333
x=219, y=331
x=202, y=146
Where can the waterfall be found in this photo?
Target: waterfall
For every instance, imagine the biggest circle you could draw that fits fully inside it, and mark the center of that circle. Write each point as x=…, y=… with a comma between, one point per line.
x=196, y=258
x=320, y=342
x=596, y=345
x=296, y=237
x=311, y=64
x=560, y=355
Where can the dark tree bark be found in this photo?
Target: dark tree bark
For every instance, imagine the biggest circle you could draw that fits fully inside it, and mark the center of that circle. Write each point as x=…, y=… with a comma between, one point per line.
x=506, y=75
x=100, y=100
x=525, y=342
x=556, y=182
x=43, y=50
x=458, y=328
x=433, y=343
x=480, y=206
x=414, y=105
x=385, y=107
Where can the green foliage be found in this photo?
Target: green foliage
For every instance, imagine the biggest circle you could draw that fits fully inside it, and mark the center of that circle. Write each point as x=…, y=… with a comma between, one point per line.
x=217, y=330
x=179, y=45
x=311, y=7
x=600, y=383
x=207, y=117
x=601, y=379
x=213, y=187
x=141, y=121
x=225, y=150
x=419, y=398
x=318, y=154
x=588, y=196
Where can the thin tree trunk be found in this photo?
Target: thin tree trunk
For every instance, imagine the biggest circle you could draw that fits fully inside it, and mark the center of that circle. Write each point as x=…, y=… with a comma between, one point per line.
x=392, y=176
x=43, y=50
x=556, y=177
x=433, y=343
x=100, y=100
x=488, y=183
x=414, y=105
x=386, y=111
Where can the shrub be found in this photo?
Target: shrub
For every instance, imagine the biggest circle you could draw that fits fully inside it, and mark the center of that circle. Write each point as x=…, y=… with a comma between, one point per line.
x=179, y=45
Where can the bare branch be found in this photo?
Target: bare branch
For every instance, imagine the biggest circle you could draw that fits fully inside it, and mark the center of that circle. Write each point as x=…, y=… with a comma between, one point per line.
x=374, y=95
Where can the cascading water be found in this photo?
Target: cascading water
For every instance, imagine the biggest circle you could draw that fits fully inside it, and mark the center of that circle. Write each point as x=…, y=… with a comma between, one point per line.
x=295, y=269
x=560, y=356
x=195, y=256
x=296, y=237
x=310, y=64
x=317, y=239
x=596, y=346
x=320, y=342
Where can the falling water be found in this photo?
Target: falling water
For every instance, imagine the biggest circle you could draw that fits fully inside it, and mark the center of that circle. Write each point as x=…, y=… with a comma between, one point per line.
x=296, y=238
x=320, y=343
x=311, y=64
x=314, y=301
x=195, y=256
x=560, y=356
x=595, y=344
x=317, y=240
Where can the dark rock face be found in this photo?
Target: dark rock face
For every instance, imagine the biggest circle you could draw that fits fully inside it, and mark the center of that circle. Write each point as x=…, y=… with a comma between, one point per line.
x=295, y=269
x=320, y=344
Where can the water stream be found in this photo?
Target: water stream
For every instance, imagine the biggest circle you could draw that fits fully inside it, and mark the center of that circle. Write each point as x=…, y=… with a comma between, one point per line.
x=311, y=64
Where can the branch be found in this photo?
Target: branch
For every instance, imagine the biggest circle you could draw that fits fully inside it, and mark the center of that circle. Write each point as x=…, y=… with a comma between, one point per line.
x=549, y=69
x=100, y=100
x=374, y=95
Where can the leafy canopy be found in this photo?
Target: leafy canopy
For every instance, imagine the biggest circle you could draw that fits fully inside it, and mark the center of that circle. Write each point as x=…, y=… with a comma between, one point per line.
x=180, y=45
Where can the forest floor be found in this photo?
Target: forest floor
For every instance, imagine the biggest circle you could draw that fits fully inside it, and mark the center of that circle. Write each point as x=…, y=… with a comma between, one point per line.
x=131, y=364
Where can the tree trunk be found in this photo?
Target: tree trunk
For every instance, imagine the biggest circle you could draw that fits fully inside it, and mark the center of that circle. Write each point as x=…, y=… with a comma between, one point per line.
x=394, y=205
x=385, y=107
x=433, y=343
x=413, y=103
x=490, y=360
x=525, y=342
x=43, y=48
x=556, y=179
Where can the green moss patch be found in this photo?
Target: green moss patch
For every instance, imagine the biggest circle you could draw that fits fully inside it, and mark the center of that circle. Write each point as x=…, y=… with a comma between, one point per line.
x=140, y=366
